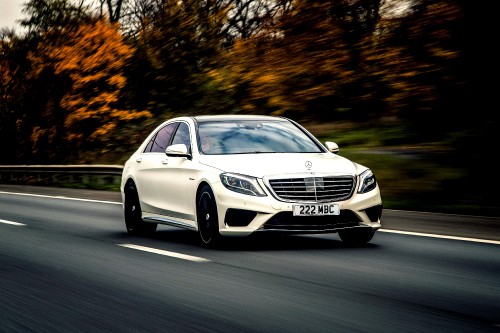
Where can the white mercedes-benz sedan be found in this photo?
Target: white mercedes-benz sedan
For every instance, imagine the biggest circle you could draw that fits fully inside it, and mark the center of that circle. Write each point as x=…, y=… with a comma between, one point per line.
x=236, y=175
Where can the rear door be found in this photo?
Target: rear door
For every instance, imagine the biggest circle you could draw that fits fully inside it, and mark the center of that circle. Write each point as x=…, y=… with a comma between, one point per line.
x=150, y=166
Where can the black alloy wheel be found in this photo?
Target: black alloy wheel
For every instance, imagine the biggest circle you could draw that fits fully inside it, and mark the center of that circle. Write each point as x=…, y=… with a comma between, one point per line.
x=133, y=219
x=208, y=222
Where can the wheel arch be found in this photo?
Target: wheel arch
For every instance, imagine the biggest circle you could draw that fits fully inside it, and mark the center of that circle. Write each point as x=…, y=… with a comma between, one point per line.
x=198, y=191
x=128, y=183
x=200, y=186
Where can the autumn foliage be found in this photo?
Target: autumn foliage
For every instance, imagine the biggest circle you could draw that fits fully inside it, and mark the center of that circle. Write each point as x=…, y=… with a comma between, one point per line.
x=91, y=83
x=296, y=68
x=92, y=58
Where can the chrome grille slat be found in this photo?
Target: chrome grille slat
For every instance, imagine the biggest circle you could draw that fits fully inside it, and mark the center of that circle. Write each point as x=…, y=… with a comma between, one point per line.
x=313, y=189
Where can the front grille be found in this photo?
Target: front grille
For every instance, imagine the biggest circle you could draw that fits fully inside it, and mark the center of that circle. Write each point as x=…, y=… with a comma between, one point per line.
x=313, y=189
x=286, y=222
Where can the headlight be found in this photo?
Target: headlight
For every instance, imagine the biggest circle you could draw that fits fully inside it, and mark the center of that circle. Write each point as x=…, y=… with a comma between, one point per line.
x=242, y=184
x=367, y=181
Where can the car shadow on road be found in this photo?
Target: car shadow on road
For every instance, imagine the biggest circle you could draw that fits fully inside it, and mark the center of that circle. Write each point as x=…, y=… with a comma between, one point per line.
x=257, y=242
x=278, y=242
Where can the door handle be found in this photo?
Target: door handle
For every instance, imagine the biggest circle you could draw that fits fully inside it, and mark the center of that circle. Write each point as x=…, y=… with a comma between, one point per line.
x=165, y=161
x=139, y=160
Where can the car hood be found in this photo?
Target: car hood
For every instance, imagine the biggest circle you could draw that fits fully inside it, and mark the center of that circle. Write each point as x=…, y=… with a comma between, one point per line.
x=268, y=165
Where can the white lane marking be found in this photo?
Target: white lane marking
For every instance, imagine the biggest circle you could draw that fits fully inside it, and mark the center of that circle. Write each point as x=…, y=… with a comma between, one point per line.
x=164, y=253
x=61, y=197
x=475, y=240
x=442, y=214
x=13, y=223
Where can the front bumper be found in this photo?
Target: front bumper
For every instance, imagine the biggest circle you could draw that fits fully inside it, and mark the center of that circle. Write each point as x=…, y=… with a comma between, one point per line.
x=242, y=215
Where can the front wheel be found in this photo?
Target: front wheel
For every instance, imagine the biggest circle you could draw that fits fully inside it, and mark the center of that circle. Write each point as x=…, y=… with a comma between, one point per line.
x=208, y=221
x=356, y=236
x=133, y=214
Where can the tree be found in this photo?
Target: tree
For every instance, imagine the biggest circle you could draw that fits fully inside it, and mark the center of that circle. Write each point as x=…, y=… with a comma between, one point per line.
x=8, y=96
x=54, y=15
x=420, y=58
x=353, y=60
x=90, y=59
x=299, y=67
x=179, y=45
x=17, y=114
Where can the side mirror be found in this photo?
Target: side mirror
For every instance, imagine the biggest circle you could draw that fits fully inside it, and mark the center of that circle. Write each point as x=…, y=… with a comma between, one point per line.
x=178, y=150
x=332, y=147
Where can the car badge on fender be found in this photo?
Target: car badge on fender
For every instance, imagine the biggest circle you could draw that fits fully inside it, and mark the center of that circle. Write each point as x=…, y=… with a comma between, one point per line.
x=309, y=165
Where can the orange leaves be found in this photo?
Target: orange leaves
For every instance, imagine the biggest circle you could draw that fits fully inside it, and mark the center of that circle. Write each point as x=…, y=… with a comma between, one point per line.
x=93, y=57
x=290, y=67
x=7, y=82
x=91, y=47
x=117, y=80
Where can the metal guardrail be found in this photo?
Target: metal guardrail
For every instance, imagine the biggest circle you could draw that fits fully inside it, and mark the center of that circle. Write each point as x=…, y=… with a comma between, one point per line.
x=87, y=175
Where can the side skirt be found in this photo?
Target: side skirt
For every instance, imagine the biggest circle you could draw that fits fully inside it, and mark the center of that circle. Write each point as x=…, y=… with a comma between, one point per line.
x=168, y=221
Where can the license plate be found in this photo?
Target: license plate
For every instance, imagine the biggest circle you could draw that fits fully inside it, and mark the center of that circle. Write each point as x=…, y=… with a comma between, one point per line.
x=316, y=210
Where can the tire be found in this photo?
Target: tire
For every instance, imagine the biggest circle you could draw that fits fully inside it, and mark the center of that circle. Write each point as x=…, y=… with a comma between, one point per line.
x=132, y=210
x=356, y=236
x=207, y=218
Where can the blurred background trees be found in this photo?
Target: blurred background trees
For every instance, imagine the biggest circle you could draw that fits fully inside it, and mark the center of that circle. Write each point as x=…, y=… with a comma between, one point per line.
x=86, y=79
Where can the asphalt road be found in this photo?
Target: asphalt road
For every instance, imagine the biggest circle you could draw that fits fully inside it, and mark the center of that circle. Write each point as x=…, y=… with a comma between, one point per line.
x=417, y=221
x=69, y=266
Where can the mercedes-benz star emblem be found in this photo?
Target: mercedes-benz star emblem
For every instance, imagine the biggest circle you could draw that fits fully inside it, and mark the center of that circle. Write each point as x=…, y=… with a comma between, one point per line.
x=309, y=165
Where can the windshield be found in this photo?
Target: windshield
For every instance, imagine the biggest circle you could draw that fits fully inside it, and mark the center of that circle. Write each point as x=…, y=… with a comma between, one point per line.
x=253, y=136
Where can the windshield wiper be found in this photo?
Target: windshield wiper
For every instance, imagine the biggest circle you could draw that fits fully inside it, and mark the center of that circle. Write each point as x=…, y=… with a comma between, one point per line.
x=254, y=152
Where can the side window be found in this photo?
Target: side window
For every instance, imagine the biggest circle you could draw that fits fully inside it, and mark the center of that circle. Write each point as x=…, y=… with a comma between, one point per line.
x=160, y=141
x=182, y=136
x=150, y=144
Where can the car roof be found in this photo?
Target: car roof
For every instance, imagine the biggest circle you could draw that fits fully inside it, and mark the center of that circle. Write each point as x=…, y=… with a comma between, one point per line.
x=230, y=117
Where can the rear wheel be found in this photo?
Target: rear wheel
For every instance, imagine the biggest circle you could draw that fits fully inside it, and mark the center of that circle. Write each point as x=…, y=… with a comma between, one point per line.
x=356, y=236
x=133, y=214
x=208, y=221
